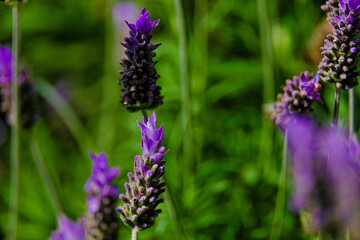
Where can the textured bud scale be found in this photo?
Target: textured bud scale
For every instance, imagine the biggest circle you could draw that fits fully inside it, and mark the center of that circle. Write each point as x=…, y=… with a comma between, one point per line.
x=102, y=220
x=69, y=230
x=341, y=49
x=28, y=96
x=145, y=186
x=138, y=79
x=298, y=97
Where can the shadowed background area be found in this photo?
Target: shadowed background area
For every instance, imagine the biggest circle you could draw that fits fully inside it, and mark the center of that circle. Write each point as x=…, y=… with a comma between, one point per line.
x=221, y=64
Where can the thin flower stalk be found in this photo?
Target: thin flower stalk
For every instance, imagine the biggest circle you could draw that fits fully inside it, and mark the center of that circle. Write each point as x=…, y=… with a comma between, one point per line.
x=15, y=129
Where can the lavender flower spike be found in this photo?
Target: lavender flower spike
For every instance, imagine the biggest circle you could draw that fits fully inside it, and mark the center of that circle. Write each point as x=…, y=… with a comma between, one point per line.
x=145, y=186
x=69, y=230
x=326, y=175
x=298, y=97
x=138, y=79
x=102, y=220
x=28, y=107
x=341, y=49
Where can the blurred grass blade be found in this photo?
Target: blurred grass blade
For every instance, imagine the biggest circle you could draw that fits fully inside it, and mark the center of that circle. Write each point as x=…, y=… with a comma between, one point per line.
x=40, y=164
x=63, y=109
x=281, y=194
x=185, y=97
x=109, y=86
x=268, y=82
x=351, y=111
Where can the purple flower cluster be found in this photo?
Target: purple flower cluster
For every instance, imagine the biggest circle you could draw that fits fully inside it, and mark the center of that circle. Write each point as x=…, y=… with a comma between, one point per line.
x=341, y=49
x=298, y=97
x=138, y=79
x=145, y=186
x=28, y=101
x=326, y=175
x=102, y=220
x=68, y=230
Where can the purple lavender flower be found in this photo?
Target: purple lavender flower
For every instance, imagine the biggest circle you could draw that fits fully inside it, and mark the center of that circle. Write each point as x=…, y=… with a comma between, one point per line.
x=102, y=220
x=5, y=65
x=298, y=97
x=326, y=176
x=145, y=186
x=341, y=49
x=68, y=230
x=124, y=11
x=138, y=79
x=28, y=106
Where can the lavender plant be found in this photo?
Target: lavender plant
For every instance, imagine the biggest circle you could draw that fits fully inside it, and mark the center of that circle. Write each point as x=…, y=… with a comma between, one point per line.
x=68, y=230
x=326, y=176
x=298, y=97
x=138, y=79
x=28, y=96
x=139, y=208
x=102, y=219
x=340, y=52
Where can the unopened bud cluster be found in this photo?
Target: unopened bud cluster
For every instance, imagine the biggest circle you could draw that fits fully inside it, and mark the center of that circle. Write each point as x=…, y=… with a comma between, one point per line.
x=341, y=49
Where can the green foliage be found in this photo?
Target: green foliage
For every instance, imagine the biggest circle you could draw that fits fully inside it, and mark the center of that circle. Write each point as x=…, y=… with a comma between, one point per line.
x=228, y=191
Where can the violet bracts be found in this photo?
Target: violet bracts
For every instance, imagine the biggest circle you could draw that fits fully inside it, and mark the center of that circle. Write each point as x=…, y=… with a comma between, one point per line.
x=139, y=209
x=138, y=79
x=298, y=97
x=102, y=220
x=326, y=175
x=341, y=49
x=68, y=230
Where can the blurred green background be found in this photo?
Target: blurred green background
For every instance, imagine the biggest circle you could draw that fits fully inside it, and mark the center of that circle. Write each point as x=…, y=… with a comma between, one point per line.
x=221, y=65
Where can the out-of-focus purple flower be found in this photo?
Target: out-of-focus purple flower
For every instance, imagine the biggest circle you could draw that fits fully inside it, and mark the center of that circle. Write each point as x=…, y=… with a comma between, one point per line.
x=138, y=79
x=326, y=173
x=124, y=11
x=298, y=97
x=102, y=220
x=68, y=230
x=145, y=186
x=28, y=101
x=5, y=65
x=341, y=48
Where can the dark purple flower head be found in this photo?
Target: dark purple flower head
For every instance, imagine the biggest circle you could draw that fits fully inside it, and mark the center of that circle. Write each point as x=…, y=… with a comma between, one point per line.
x=28, y=96
x=341, y=48
x=68, y=230
x=298, y=97
x=138, y=79
x=102, y=197
x=326, y=176
x=145, y=186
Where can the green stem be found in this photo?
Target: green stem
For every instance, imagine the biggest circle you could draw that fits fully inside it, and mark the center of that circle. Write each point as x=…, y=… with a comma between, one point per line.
x=135, y=233
x=281, y=195
x=336, y=105
x=144, y=113
x=15, y=129
x=351, y=111
x=39, y=162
